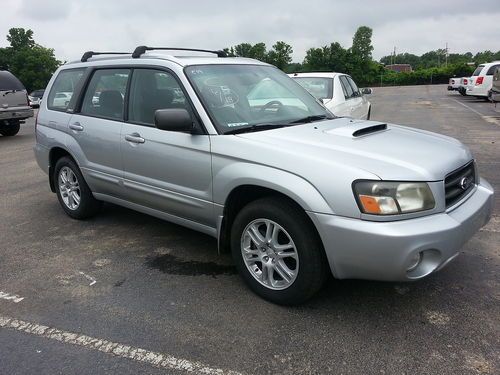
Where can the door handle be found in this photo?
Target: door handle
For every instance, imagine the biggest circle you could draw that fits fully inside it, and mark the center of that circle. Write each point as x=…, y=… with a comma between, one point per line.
x=134, y=138
x=76, y=126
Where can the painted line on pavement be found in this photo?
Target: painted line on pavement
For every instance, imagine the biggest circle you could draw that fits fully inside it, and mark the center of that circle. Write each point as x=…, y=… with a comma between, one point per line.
x=155, y=359
x=11, y=297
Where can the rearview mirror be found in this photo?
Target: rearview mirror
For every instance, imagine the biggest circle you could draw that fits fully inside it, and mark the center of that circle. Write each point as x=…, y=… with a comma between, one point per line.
x=366, y=91
x=174, y=120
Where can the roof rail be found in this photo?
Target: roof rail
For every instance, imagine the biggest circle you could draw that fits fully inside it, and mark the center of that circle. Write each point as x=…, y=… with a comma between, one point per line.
x=142, y=49
x=87, y=55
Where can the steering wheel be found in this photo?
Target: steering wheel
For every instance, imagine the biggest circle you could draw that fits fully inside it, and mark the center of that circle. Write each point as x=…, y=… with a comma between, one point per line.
x=268, y=105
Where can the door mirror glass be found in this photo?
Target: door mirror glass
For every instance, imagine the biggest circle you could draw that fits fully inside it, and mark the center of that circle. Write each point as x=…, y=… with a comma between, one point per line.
x=174, y=120
x=366, y=91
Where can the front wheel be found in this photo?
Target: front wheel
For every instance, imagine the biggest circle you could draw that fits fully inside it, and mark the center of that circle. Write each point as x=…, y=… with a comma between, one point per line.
x=277, y=251
x=369, y=112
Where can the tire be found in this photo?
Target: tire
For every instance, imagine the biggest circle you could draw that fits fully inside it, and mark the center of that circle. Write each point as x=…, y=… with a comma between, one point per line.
x=10, y=130
x=369, y=113
x=309, y=271
x=87, y=206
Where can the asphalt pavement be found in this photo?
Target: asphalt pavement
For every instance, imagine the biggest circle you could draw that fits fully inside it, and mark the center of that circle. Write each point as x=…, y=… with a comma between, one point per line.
x=125, y=293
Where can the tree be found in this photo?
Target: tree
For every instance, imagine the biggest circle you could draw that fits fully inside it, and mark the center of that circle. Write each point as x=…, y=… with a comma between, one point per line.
x=281, y=55
x=362, y=43
x=28, y=61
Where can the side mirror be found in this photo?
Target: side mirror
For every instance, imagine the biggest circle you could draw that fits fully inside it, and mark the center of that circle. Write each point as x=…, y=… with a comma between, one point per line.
x=174, y=120
x=366, y=91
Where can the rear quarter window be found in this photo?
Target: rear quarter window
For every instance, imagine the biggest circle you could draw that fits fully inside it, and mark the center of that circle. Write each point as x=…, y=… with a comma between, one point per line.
x=63, y=88
x=478, y=70
x=8, y=81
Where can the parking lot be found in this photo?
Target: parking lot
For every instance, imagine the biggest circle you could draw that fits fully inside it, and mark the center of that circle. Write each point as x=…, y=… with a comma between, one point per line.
x=126, y=293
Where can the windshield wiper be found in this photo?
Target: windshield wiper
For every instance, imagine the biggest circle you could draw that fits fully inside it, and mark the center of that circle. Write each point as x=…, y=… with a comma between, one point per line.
x=254, y=128
x=312, y=118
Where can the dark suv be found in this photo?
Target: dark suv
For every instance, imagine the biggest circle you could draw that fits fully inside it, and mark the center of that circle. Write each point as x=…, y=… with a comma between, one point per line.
x=14, y=104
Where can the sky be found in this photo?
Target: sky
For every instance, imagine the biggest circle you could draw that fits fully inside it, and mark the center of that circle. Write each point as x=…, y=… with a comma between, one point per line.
x=72, y=27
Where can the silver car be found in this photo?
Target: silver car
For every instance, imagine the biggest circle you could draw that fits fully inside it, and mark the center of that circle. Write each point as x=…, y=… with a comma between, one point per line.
x=236, y=149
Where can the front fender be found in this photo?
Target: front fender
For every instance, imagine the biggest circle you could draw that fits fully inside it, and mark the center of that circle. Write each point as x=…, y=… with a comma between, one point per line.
x=237, y=173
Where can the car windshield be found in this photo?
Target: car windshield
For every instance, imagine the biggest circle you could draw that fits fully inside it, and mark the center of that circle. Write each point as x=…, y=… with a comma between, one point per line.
x=321, y=88
x=248, y=96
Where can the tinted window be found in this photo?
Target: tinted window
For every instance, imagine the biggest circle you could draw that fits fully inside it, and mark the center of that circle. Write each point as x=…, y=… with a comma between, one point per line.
x=478, y=70
x=63, y=88
x=348, y=91
x=9, y=82
x=37, y=93
x=355, y=88
x=105, y=94
x=320, y=88
x=151, y=90
x=491, y=70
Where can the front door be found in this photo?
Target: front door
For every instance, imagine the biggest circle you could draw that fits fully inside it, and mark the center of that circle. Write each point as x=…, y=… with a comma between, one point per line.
x=164, y=170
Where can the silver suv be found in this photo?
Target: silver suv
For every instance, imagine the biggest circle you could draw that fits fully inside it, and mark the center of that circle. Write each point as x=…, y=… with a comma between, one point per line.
x=236, y=149
x=14, y=104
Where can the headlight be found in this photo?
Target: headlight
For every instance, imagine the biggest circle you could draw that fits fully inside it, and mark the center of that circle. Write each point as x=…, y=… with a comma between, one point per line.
x=392, y=198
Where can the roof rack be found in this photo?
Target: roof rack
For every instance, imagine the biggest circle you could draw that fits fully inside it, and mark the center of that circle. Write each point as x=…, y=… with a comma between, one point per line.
x=87, y=55
x=142, y=49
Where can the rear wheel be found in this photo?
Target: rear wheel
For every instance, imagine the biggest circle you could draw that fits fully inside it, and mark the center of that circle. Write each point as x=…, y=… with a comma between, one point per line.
x=11, y=129
x=73, y=193
x=277, y=251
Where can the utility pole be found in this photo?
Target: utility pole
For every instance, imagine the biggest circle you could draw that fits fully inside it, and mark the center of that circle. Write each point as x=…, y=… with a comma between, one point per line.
x=446, y=55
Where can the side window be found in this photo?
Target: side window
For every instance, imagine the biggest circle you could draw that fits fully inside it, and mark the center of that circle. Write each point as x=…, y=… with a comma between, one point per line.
x=348, y=91
x=492, y=70
x=151, y=90
x=106, y=93
x=63, y=88
x=355, y=88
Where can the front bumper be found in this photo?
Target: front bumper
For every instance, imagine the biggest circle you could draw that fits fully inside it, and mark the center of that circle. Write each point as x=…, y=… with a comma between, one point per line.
x=20, y=114
x=359, y=249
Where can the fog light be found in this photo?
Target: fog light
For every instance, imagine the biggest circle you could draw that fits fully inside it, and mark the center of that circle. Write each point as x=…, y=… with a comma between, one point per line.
x=414, y=261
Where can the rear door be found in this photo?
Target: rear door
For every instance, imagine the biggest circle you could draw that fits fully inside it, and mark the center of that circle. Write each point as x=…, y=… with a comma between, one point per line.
x=95, y=130
x=164, y=170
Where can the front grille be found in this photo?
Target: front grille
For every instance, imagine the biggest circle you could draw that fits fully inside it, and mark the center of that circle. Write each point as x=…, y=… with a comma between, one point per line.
x=458, y=183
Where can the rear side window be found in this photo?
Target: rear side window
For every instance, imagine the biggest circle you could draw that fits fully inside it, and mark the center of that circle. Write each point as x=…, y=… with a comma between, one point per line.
x=105, y=94
x=8, y=81
x=348, y=91
x=478, y=70
x=63, y=88
x=492, y=70
x=152, y=90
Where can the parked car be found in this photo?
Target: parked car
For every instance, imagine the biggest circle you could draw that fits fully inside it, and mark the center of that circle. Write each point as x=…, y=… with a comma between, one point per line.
x=293, y=191
x=482, y=80
x=454, y=84
x=338, y=92
x=62, y=99
x=14, y=105
x=462, y=88
x=495, y=88
x=35, y=98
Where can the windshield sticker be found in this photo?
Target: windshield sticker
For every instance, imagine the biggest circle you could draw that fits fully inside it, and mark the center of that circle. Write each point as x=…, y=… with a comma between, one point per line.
x=236, y=124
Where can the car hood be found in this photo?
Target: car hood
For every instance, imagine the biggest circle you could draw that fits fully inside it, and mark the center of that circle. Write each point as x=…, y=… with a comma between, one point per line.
x=391, y=152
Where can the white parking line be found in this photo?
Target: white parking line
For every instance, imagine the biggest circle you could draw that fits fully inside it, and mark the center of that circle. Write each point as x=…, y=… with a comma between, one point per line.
x=119, y=350
x=11, y=297
x=466, y=106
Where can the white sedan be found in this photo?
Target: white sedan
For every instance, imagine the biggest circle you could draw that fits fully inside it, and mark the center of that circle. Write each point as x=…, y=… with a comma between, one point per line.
x=338, y=92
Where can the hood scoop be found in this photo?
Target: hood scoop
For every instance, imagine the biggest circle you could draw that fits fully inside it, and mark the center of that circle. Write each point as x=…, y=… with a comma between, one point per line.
x=369, y=130
x=358, y=129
